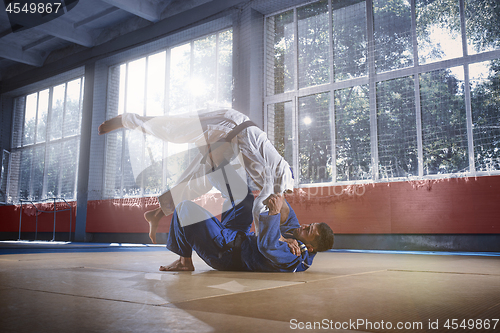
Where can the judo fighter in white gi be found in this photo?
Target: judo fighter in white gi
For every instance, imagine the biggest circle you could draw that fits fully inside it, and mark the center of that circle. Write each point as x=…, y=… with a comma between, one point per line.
x=222, y=137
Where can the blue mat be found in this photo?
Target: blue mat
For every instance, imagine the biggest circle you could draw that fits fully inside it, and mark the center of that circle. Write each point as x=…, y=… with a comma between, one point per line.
x=26, y=247
x=435, y=253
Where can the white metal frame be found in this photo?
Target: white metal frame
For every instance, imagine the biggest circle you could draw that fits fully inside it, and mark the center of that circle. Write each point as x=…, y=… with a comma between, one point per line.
x=166, y=99
x=47, y=142
x=372, y=79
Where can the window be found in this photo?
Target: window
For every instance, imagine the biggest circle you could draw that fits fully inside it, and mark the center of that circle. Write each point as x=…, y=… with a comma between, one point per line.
x=46, y=143
x=4, y=174
x=375, y=90
x=181, y=79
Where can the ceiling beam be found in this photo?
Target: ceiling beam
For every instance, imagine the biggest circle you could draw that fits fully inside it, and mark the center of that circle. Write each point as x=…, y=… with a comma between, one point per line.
x=95, y=17
x=176, y=7
x=62, y=29
x=145, y=9
x=16, y=53
x=121, y=43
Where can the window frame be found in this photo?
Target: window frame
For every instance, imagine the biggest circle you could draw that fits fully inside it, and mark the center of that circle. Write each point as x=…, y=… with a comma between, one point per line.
x=49, y=85
x=371, y=79
x=110, y=193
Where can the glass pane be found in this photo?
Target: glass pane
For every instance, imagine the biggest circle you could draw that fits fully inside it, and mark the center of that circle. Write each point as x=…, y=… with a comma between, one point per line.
x=57, y=112
x=72, y=115
x=280, y=54
x=30, y=119
x=203, y=80
x=136, y=82
x=4, y=174
x=180, y=94
x=38, y=170
x=444, y=129
x=314, y=41
x=225, y=68
x=352, y=127
x=280, y=129
x=485, y=101
x=152, y=176
x=392, y=28
x=121, y=91
x=180, y=155
x=25, y=173
x=116, y=91
x=315, y=139
x=53, y=170
x=397, y=133
x=113, y=178
x=438, y=30
x=349, y=38
x=133, y=162
x=482, y=25
x=43, y=108
x=18, y=122
x=156, y=85
x=69, y=168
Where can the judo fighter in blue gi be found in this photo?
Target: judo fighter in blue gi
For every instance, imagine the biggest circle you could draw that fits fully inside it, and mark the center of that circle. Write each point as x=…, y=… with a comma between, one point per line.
x=228, y=244
x=232, y=149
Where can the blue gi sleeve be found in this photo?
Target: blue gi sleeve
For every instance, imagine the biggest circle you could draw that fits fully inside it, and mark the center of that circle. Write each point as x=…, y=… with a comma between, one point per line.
x=292, y=222
x=275, y=250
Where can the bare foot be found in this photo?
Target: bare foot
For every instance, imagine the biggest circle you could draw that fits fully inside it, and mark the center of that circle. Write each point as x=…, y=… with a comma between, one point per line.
x=110, y=125
x=182, y=264
x=153, y=217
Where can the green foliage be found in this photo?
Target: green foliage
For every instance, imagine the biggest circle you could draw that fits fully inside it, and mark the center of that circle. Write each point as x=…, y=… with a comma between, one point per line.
x=315, y=139
x=352, y=124
x=483, y=23
x=485, y=103
x=443, y=123
x=393, y=43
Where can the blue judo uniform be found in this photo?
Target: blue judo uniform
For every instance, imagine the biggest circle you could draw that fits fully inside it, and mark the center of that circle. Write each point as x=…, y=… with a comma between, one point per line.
x=210, y=239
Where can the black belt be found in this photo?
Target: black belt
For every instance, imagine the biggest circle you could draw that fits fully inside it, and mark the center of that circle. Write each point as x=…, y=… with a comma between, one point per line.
x=235, y=131
x=220, y=142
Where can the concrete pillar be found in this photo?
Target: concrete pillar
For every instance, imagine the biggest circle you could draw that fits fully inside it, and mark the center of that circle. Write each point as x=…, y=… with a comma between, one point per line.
x=84, y=165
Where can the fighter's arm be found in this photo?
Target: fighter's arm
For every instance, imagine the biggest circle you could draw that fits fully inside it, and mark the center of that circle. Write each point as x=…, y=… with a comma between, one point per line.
x=292, y=244
x=284, y=213
x=269, y=238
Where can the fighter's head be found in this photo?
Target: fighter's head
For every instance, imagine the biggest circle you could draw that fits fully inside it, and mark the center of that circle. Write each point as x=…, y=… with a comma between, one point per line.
x=317, y=237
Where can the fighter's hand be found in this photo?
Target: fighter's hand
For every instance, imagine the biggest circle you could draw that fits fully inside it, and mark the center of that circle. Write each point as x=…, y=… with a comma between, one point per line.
x=274, y=203
x=292, y=244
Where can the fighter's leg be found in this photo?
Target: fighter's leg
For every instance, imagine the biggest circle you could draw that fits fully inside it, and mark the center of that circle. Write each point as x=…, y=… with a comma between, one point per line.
x=118, y=122
x=182, y=264
x=205, y=237
x=267, y=168
x=110, y=125
x=153, y=217
x=238, y=217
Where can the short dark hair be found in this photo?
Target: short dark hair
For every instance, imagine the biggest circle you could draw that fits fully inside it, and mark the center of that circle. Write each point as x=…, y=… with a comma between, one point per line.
x=325, y=240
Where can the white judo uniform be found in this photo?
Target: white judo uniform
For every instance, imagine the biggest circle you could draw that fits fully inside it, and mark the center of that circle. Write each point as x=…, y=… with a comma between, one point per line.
x=252, y=153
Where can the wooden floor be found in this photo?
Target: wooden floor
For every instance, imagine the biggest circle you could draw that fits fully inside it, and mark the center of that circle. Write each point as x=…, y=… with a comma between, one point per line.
x=92, y=288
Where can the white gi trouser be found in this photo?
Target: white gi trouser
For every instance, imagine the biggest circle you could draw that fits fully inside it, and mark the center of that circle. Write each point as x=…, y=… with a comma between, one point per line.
x=265, y=166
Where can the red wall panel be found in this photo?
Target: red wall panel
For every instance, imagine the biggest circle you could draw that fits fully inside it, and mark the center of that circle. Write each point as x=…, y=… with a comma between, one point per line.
x=9, y=217
x=127, y=215
x=445, y=206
